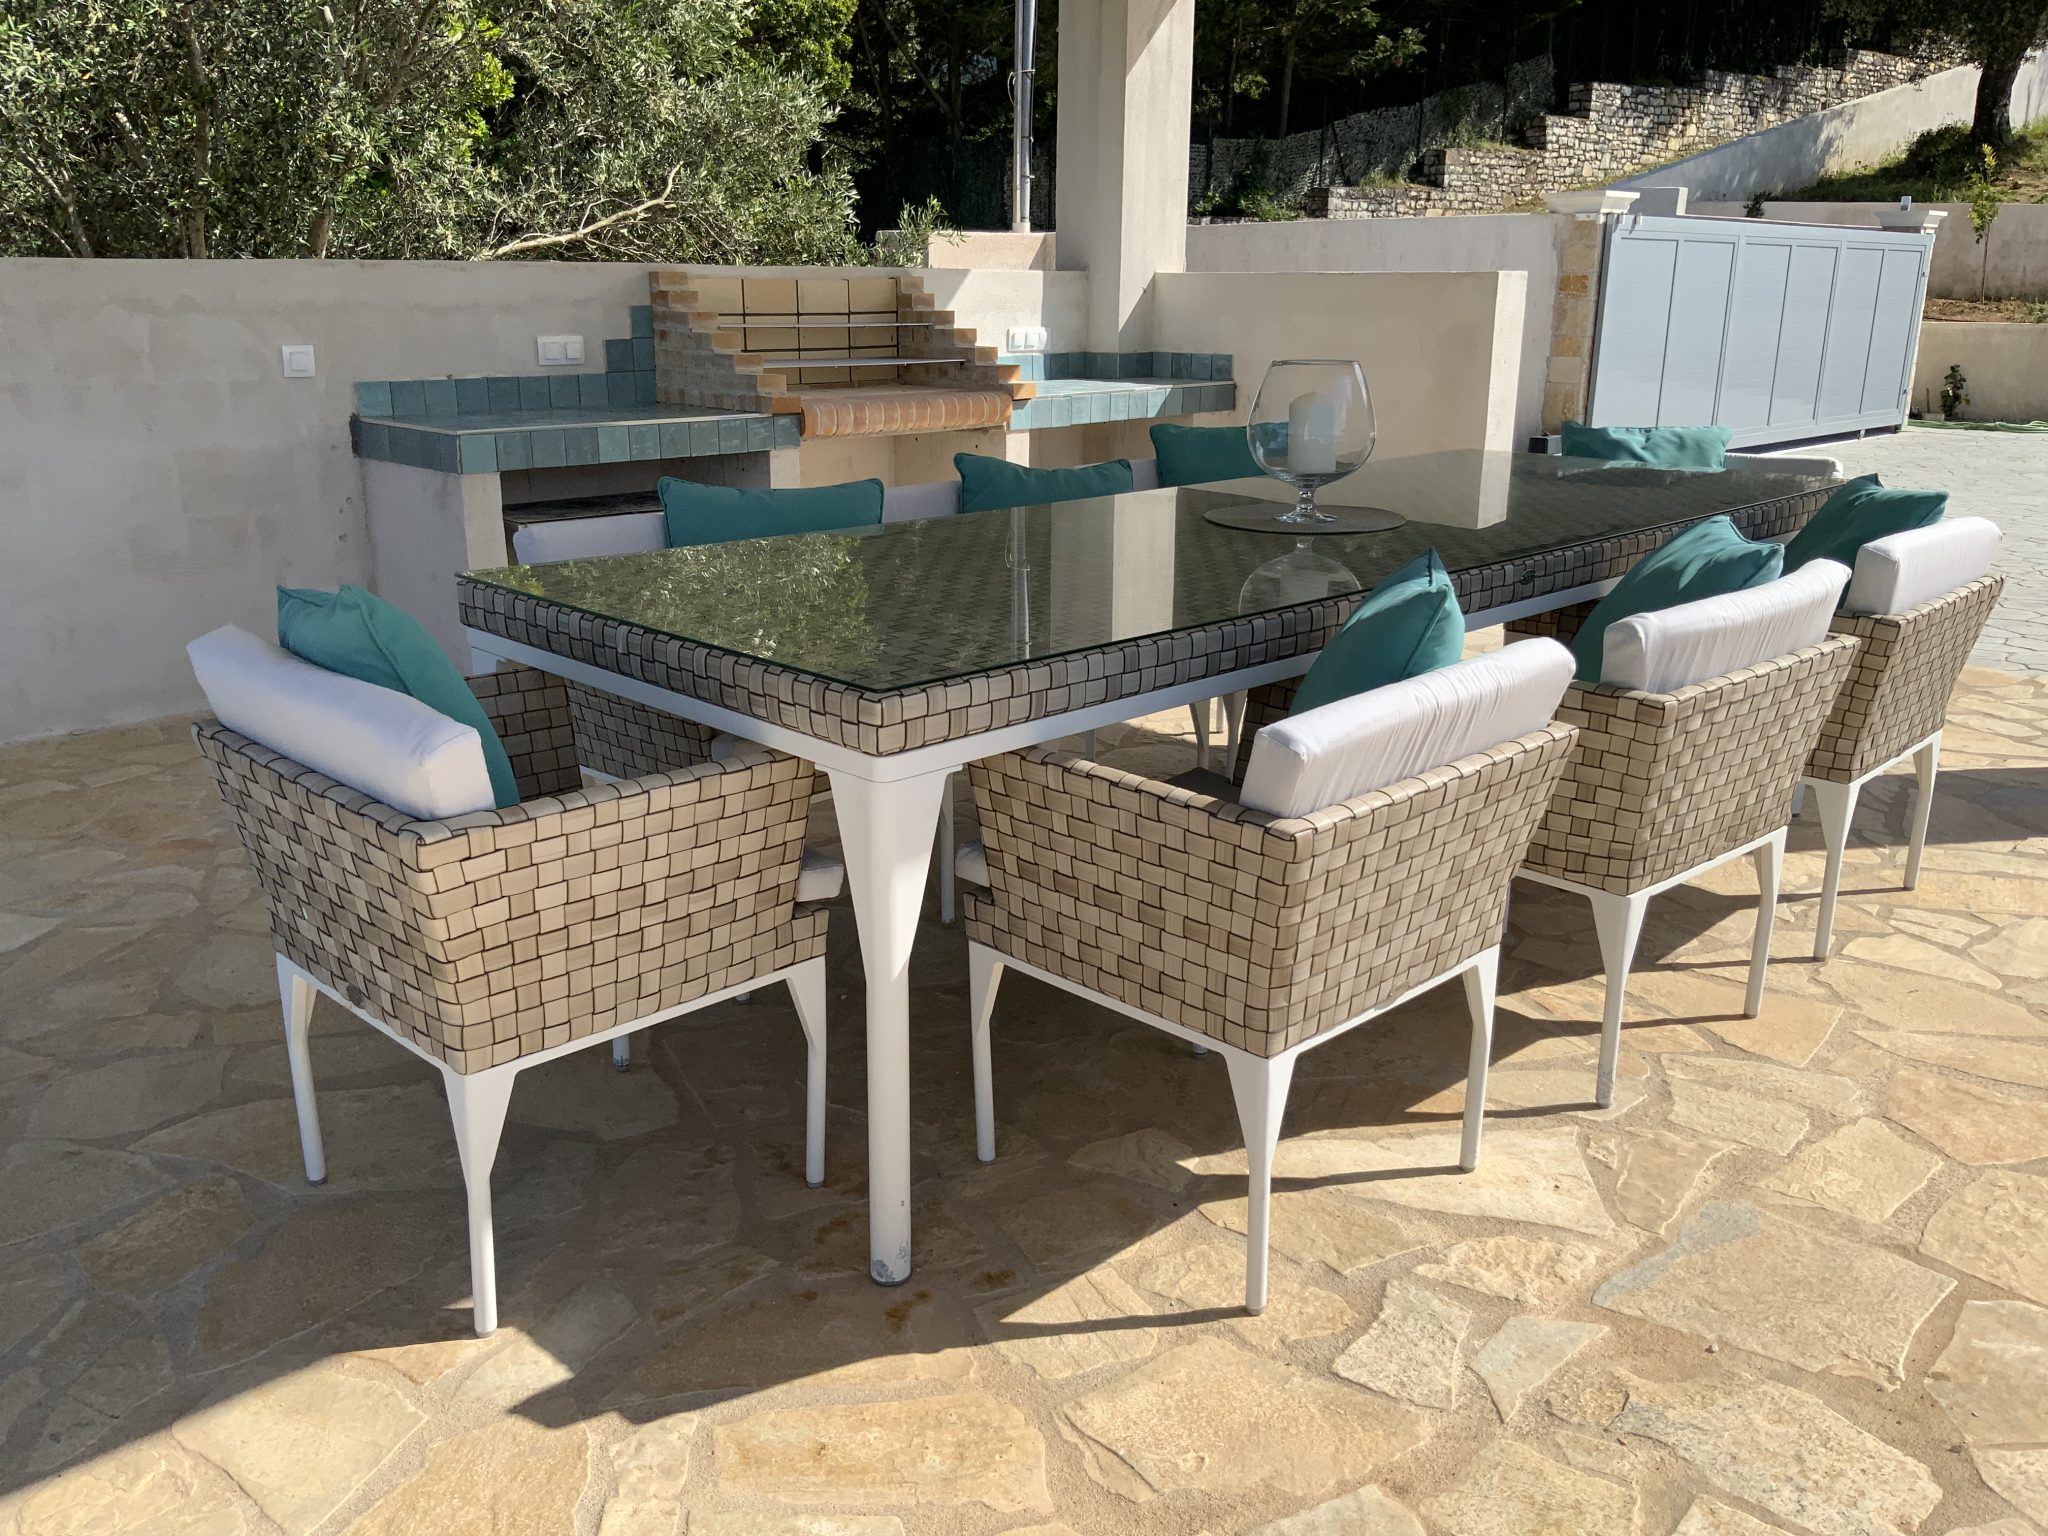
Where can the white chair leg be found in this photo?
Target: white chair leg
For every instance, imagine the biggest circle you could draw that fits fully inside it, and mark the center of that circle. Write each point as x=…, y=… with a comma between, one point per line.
x=1233, y=729
x=1926, y=763
x=1199, y=1049
x=477, y=1102
x=1835, y=806
x=1088, y=745
x=948, y=891
x=1199, y=710
x=1770, y=865
x=296, y=994
x=1259, y=1084
x=1798, y=800
x=984, y=974
x=622, y=1053
x=1482, y=978
x=807, y=991
x=1618, y=920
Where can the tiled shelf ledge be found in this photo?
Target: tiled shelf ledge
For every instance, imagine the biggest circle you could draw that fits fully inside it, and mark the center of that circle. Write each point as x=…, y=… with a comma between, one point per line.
x=1133, y=366
x=1076, y=402
x=488, y=442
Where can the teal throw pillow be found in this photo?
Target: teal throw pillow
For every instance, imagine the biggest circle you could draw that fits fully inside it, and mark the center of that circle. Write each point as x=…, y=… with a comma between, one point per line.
x=990, y=485
x=1199, y=455
x=1861, y=511
x=1707, y=560
x=1407, y=625
x=1663, y=447
x=362, y=636
x=719, y=514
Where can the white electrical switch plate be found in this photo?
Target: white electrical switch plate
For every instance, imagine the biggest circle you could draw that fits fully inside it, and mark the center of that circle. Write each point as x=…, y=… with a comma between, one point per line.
x=559, y=351
x=298, y=361
x=1026, y=338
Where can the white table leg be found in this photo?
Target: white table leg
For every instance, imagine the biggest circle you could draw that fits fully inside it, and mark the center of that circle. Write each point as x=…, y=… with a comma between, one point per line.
x=885, y=832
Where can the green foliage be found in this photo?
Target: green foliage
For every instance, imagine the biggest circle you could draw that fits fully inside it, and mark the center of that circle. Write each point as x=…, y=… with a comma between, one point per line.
x=657, y=130
x=1955, y=392
x=1754, y=208
x=1940, y=166
x=909, y=243
x=1996, y=35
x=1983, y=190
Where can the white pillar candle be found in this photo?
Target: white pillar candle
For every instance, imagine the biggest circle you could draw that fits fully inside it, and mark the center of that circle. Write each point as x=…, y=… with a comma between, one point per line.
x=1312, y=434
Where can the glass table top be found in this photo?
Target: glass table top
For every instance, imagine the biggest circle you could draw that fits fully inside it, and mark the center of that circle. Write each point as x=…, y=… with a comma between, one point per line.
x=908, y=604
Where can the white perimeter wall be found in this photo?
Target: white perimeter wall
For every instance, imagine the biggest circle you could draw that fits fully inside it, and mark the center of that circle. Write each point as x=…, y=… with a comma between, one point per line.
x=1857, y=133
x=1439, y=348
x=159, y=476
x=2005, y=369
x=1508, y=242
x=2010, y=262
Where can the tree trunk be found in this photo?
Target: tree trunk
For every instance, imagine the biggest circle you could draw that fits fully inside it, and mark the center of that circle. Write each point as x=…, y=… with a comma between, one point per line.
x=1992, y=121
x=1287, y=51
x=317, y=236
x=1230, y=88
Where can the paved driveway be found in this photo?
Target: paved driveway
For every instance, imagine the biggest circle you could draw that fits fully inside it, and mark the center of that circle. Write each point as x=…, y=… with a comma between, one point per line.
x=1999, y=475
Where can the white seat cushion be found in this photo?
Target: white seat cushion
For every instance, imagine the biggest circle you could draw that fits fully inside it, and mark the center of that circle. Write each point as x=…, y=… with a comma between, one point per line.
x=1675, y=647
x=382, y=742
x=915, y=503
x=1326, y=756
x=971, y=864
x=820, y=877
x=585, y=538
x=1906, y=569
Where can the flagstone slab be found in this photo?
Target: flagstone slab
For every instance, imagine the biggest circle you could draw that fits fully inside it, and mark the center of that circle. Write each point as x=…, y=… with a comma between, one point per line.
x=1972, y=1123
x=161, y=1244
x=672, y=1200
x=1993, y=1381
x=1164, y=1427
x=52, y=1184
x=583, y=1094
x=125, y=1097
x=1789, y=1030
x=1863, y=1170
x=1510, y=1490
x=1911, y=954
x=1148, y=1156
x=2002, y=1061
x=1932, y=1005
x=119, y=1379
x=1411, y=1351
x=1785, y=1451
x=1210, y=1277
x=1721, y=1114
x=1311, y=1226
x=1749, y=1277
x=1829, y=1092
x=2018, y=950
x=1525, y=1353
x=527, y=1364
x=302, y=1444
x=1365, y=1511
x=960, y=1448
x=1656, y=1174
x=755, y=1523
x=1535, y=1271
x=509, y=1478
x=386, y=1138
x=1527, y=1173
x=1997, y=1230
x=31, y=1290
x=1710, y=1517
x=153, y=1487
x=1056, y=1335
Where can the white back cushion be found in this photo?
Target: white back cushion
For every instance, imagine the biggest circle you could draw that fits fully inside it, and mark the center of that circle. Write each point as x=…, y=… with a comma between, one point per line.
x=1674, y=647
x=1326, y=756
x=1906, y=569
x=584, y=538
x=1144, y=474
x=380, y=741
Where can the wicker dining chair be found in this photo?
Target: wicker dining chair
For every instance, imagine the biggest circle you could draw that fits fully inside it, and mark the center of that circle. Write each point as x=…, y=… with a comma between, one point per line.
x=1667, y=784
x=493, y=941
x=1917, y=602
x=1254, y=934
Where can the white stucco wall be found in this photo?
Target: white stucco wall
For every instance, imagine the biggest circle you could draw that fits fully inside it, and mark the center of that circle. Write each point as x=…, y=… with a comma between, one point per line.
x=1440, y=350
x=1506, y=242
x=2005, y=368
x=159, y=476
x=1856, y=133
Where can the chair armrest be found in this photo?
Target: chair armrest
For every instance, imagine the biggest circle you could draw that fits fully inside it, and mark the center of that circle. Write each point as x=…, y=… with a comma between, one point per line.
x=489, y=936
x=1260, y=931
x=1906, y=667
x=1662, y=782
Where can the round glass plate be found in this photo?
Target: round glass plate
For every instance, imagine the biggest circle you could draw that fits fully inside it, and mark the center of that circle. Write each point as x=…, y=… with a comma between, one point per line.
x=1265, y=517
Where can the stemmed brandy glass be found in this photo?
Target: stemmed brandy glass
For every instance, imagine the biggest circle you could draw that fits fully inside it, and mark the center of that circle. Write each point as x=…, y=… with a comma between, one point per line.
x=1312, y=424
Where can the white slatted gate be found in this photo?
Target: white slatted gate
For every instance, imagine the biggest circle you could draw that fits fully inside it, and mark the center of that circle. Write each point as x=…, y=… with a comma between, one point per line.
x=1775, y=331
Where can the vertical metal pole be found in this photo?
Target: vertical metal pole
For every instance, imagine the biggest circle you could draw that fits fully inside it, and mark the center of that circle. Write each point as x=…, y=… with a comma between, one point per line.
x=1020, y=137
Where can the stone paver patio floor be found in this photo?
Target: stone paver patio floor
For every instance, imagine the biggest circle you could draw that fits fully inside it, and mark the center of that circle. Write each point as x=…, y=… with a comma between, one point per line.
x=1795, y=1281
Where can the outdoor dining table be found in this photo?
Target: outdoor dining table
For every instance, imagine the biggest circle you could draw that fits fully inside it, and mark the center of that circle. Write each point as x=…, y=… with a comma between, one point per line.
x=891, y=656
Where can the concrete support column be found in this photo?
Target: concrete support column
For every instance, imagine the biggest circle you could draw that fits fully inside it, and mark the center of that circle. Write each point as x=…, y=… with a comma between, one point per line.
x=1126, y=94
x=1582, y=233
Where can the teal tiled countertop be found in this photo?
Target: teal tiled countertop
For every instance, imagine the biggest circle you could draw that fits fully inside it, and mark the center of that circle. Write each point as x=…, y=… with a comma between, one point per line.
x=1076, y=402
x=487, y=442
